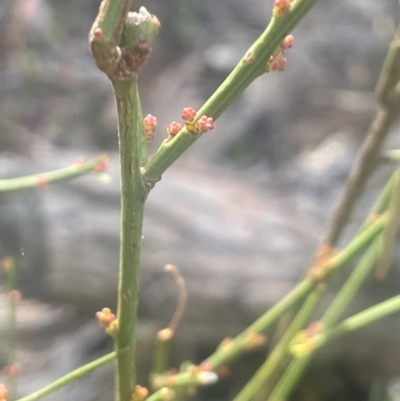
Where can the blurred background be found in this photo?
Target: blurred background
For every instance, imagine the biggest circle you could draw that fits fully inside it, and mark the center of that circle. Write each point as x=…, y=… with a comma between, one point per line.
x=240, y=214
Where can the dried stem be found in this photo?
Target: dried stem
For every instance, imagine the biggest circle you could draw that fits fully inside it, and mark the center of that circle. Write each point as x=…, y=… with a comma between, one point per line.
x=165, y=336
x=368, y=154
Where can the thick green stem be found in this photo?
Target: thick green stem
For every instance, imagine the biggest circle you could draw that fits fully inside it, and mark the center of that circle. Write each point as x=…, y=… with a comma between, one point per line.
x=133, y=195
x=62, y=174
x=249, y=68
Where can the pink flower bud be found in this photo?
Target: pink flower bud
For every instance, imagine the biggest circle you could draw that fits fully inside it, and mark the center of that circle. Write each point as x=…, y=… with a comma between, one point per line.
x=287, y=42
x=149, y=124
x=278, y=62
x=102, y=165
x=15, y=296
x=105, y=317
x=80, y=161
x=188, y=114
x=281, y=7
x=173, y=128
x=3, y=392
x=205, y=123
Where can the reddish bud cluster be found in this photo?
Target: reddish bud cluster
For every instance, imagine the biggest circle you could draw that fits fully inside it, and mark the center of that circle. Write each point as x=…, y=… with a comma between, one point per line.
x=13, y=370
x=8, y=264
x=102, y=165
x=15, y=296
x=281, y=7
x=105, y=317
x=173, y=129
x=80, y=161
x=188, y=114
x=277, y=61
x=3, y=392
x=205, y=123
x=42, y=181
x=140, y=393
x=287, y=42
x=149, y=124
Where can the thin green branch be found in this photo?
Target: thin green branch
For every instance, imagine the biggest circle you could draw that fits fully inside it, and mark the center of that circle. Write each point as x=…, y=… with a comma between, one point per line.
x=264, y=375
x=248, y=69
x=240, y=344
x=13, y=297
x=389, y=234
x=382, y=202
x=362, y=319
x=353, y=284
x=39, y=180
x=356, y=322
x=368, y=154
x=70, y=377
x=345, y=295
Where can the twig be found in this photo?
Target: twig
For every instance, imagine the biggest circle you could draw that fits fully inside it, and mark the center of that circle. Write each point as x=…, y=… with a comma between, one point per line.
x=368, y=154
x=266, y=371
x=70, y=377
x=39, y=180
x=164, y=337
x=13, y=295
x=252, y=65
x=389, y=234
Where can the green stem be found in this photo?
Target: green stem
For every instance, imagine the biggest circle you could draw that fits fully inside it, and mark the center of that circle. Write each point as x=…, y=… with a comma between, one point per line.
x=11, y=282
x=248, y=69
x=70, y=377
x=43, y=179
x=353, y=323
x=106, y=32
x=389, y=233
x=290, y=378
x=382, y=202
x=353, y=284
x=270, y=366
x=133, y=195
x=360, y=242
x=184, y=379
x=299, y=364
x=363, y=319
x=237, y=346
